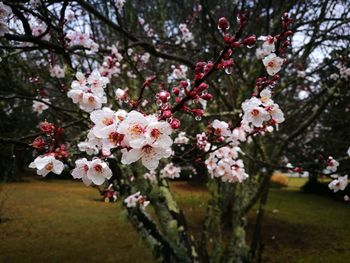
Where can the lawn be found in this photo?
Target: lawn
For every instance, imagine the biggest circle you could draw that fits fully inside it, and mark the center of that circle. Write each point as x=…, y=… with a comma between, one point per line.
x=64, y=221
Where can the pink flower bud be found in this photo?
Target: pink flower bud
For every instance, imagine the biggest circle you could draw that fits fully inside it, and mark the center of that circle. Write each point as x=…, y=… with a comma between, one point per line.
x=198, y=112
x=201, y=87
x=163, y=96
x=38, y=143
x=207, y=96
x=249, y=41
x=184, y=83
x=47, y=127
x=223, y=24
x=176, y=91
x=236, y=44
x=193, y=94
x=175, y=123
x=167, y=114
x=288, y=33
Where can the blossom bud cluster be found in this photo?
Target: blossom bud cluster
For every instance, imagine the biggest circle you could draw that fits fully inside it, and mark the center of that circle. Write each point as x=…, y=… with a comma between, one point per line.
x=268, y=52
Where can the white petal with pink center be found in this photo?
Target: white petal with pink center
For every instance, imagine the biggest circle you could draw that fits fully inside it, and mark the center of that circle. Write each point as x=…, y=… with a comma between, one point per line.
x=221, y=128
x=339, y=184
x=170, y=171
x=273, y=64
x=81, y=169
x=256, y=116
x=133, y=128
x=99, y=171
x=47, y=164
x=149, y=156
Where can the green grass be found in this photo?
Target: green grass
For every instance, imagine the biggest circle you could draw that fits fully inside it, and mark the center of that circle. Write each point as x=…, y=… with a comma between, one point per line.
x=307, y=228
x=64, y=221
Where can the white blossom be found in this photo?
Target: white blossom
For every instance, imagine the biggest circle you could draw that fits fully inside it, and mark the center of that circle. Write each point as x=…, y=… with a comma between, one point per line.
x=151, y=176
x=98, y=171
x=135, y=200
x=273, y=64
x=332, y=164
x=81, y=169
x=39, y=106
x=339, y=184
x=57, y=72
x=149, y=156
x=46, y=164
x=269, y=44
x=181, y=138
x=120, y=94
x=87, y=147
x=221, y=128
x=170, y=171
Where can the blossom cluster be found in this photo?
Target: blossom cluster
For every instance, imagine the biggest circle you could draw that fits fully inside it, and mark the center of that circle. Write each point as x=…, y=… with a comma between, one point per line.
x=271, y=61
x=111, y=64
x=186, y=36
x=139, y=136
x=5, y=11
x=340, y=182
x=224, y=163
x=39, y=29
x=136, y=199
x=344, y=73
x=95, y=171
x=119, y=4
x=57, y=72
x=332, y=165
x=258, y=110
x=179, y=72
x=89, y=92
x=75, y=38
x=146, y=27
x=52, y=151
